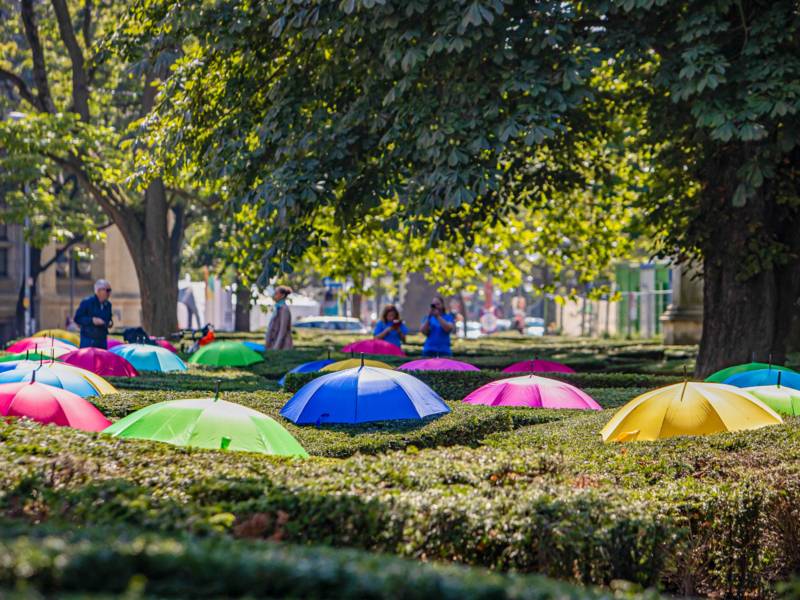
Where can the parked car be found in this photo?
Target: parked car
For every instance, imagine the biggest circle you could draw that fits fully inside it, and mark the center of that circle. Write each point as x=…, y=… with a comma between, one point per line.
x=534, y=326
x=348, y=324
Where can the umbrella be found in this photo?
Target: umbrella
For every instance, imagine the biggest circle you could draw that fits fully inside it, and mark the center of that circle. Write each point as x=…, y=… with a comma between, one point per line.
x=779, y=398
x=41, y=344
x=689, y=408
x=536, y=392
x=373, y=346
x=437, y=364
x=100, y=362
x=60, y=334
x=50, y=405
x=146, y=357
x=165, y=344
x=538, y=366
x=308, y=367
x=255, y=346
x=208, y=423
x=111, y=342
x=363, y=394
x=722, y=375
x=765, y=377
x=27, y=355
x=351, y=363
x=225, y=354
x=53, y=374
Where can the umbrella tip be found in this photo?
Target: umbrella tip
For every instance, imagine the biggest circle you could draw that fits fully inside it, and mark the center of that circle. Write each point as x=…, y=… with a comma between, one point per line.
x=216, y=389
x=779, y=379
x=362, y=359
x=33, y=376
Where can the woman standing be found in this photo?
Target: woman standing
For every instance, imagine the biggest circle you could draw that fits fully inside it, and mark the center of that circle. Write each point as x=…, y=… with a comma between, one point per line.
x=390, y=328
x=436, y=328
x=279, y=332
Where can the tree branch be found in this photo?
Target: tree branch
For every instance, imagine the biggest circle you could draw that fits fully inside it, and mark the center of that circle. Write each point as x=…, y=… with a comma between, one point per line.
x=22, y=88
x=80, y=81
x=73, y=242
x=34, y=43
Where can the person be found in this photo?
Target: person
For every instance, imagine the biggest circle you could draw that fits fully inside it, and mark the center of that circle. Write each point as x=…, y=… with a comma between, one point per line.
x=436, y=328
x=390, y=328
x=94, y=316
x=279, y=332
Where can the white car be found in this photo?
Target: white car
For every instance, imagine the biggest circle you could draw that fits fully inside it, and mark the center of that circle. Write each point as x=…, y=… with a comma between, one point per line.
x=345, y=324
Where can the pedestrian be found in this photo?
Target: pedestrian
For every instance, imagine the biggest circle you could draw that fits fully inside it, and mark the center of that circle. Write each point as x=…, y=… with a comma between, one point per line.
x=94, y=316
x=390, y=328
x=436, y=328
x=279, y=331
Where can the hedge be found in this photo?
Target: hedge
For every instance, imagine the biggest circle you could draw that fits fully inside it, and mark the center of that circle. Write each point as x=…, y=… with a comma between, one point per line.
x=119, y=560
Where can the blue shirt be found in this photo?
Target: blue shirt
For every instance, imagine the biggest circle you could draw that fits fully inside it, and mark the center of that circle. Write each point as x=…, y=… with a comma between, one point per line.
x=438, y=340
x=393, y=337
x=93, y=335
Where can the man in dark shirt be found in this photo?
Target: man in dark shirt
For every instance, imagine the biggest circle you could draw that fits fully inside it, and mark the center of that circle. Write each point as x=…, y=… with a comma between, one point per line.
x=94, y=316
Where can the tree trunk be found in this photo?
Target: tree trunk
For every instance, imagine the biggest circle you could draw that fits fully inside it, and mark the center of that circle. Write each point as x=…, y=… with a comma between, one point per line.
x=355, y=306
x=242, y=317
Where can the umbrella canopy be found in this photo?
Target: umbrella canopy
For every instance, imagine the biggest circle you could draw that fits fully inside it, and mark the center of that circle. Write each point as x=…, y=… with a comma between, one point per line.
x=308, y=367
x=765, y=377
x=26, y=356
x=255, y=346
x=350, y=363
x=165, y=344
x=374, y=347
x=361, y=395
x=437, y=364
x=50, y=405
x=146, y=357
x=111, y=343
x=225, y=354
x=60, y=334
x=45, y=345
x=538, y=366
x=208, y=423
x=101, y=362
x=53, y=374
x=722, y=375
x=536, y=392
x=688, y=408
x=779, y=398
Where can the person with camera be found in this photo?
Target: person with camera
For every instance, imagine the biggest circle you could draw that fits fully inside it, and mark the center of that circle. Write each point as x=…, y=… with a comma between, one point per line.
x=390, y=328
x=94, y=316
x=436, y=328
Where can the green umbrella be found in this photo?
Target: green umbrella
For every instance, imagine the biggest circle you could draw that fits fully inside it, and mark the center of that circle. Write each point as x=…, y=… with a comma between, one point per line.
x=208, y=423
x=225, y=354
x=722, y=375
x=26, y=356
x=779, y=398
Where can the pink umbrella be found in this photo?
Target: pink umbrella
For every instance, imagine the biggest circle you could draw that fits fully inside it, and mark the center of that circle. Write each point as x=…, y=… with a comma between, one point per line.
x=111, y=342
x=538, y=366
x=101, y=362
x=50, y=405
x=537, y=392
x=374, y=347
x=44, y=345
x=437, y=364
x=165, y=344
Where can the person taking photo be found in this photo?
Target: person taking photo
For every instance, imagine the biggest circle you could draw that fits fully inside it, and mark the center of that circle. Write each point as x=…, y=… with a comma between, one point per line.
x=436, y=328
x=390, y=328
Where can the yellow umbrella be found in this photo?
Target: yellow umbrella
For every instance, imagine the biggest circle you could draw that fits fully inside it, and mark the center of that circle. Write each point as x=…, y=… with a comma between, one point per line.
x=688, y=408
x=61, y=334
x=351, y=363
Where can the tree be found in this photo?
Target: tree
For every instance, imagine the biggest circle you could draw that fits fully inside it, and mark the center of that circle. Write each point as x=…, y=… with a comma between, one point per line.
x=81, y=103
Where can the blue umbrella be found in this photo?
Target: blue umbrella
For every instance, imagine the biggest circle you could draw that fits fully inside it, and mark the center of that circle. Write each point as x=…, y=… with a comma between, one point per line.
x=765, y=377
x=254, y=346
x=60, y=378
x=146, y=357
x=363, y=394
x=309, y=367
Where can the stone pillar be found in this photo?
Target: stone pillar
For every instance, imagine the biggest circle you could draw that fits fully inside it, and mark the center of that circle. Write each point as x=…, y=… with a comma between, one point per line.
x=683, y=319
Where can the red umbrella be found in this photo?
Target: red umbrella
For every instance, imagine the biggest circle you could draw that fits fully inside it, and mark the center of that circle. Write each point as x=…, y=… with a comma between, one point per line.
x=41, y=344
x=538, y=366
x=101, y=362
x=50, y=405
x=374, y=347
x=165, y=344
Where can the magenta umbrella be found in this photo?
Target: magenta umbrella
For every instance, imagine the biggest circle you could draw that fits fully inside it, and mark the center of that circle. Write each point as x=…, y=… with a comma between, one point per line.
x=533, y=391
x=374, y=347
x=50, y=405
x=538, y=366
x=165, y=344
x=111, y=342
x=437, y=364
x=45, y=345
x=99, y=361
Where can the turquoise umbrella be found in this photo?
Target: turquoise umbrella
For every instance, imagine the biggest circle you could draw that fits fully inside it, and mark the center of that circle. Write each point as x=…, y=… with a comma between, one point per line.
x=146, y=357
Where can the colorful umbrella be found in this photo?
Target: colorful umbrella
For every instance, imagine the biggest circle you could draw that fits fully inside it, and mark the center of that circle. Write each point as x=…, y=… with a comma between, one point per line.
x=361, y=395
x=44, y=345
x=308, y=367
x=351, y=363
x=779, y=398
x=255, y=346
x=27, y=356
x=111, y=343
x=60, y=334
x=53, y=374
x=722, y=375
x=536, y=392
x=208, y=423
x=101, y=362
x=100, y=384
x=373, y=346
x=225, y=354
x=50, y=405
x=146, y=357
x=165, y=344
x=538, y=366
x=765, y=377
x=688, y=408
x=437, y=364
